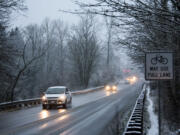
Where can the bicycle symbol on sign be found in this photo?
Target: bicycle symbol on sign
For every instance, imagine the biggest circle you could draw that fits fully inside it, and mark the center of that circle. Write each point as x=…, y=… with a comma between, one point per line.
x=159, y=59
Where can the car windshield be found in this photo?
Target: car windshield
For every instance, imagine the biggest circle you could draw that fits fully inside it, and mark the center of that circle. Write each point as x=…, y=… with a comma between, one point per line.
x=55, y=90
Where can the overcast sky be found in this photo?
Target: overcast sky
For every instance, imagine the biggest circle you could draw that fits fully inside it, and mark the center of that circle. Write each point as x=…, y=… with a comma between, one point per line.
x=38, y=10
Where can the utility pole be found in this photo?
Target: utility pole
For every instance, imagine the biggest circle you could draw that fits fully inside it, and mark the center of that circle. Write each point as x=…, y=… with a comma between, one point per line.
x=108, y=50
x=109, y=30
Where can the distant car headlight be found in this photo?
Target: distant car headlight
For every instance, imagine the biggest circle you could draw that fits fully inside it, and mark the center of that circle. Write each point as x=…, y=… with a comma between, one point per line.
x=63, y=97
x=114, y=87
x=107, y=87
x=44, y=98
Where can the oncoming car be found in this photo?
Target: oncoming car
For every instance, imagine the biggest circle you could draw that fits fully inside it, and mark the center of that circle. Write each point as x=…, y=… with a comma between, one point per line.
x=111, y=87
x=56, y=96
x=131, y=79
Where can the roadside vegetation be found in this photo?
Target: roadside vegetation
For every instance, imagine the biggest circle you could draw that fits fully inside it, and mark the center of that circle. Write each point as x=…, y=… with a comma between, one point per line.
x=143, y=26
x=35, y=57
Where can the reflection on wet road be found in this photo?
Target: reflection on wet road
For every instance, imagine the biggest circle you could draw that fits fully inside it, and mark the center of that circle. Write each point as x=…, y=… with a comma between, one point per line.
x=44, y=114
x=64, y=118
x=29, y=115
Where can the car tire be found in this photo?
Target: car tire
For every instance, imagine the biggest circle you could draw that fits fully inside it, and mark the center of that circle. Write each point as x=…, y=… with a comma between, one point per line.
x=71, y=103
x=49, y=106
x=44, y=106
x=65, y=106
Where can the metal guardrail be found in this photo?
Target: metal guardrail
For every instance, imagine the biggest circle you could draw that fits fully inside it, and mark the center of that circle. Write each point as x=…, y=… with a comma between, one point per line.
x=135, y=123
x=20, y=103
x=35, y=101
x=87, y=90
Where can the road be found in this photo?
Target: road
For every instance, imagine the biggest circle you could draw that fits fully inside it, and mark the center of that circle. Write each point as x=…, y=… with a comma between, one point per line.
x=89, y=114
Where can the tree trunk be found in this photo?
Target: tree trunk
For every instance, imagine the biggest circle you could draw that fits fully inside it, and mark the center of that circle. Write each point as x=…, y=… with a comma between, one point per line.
x=16, y=82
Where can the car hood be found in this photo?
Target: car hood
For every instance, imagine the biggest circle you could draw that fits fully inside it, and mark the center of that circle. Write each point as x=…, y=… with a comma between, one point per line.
x=54, y=95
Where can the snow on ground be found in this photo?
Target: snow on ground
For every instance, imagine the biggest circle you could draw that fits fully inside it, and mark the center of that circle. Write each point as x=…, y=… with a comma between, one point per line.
x=153, y=117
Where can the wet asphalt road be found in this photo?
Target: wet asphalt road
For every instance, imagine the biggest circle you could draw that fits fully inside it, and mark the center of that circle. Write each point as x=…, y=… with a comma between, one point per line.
x=89, y=114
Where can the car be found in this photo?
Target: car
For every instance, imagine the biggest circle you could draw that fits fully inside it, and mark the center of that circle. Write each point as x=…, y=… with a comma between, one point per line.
x=111, y=87
x=56, y=96
x=131, y=79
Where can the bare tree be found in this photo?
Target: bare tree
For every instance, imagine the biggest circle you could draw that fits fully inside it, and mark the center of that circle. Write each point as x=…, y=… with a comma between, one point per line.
x=109, y=25
x=31, y=52
x=7, y=7
x=61, y=32
x=49, y=40
x=6, y=50
x=150, y=17
x=83, y=49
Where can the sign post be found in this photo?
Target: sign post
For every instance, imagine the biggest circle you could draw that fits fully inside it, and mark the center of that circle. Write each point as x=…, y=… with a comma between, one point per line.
x=159, y=66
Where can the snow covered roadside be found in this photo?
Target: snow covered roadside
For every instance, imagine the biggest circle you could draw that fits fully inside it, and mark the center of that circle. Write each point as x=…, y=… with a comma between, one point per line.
x=152, y=116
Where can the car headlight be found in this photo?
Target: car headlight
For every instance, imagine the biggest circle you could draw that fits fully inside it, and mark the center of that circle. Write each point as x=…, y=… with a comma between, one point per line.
x=114, y=87
x=107, y=87
x=63, y=97
x=44, y=98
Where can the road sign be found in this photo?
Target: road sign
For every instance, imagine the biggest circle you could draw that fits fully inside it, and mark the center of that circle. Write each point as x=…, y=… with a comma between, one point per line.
x=159, y=66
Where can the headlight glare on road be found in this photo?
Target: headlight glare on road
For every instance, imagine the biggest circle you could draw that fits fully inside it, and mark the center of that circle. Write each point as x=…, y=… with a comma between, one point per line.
x=44, y=98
